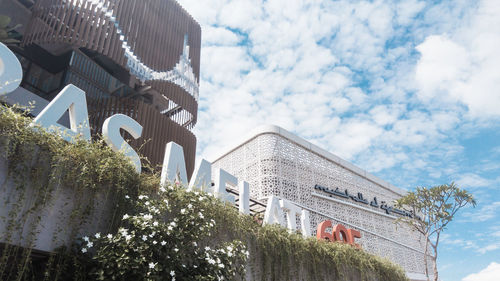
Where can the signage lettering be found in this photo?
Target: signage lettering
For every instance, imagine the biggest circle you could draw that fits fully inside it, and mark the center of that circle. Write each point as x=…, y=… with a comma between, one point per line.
x=112, y=137
x=11, y=73
x=276, y=210
x=73, y=99
x=339, y=233
x=360, y=199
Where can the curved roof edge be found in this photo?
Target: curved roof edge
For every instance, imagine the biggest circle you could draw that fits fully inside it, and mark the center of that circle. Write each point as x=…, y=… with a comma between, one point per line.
x=273, y=129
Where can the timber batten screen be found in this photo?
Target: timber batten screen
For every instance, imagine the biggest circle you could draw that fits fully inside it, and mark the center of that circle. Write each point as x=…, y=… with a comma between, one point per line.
x=155, y=42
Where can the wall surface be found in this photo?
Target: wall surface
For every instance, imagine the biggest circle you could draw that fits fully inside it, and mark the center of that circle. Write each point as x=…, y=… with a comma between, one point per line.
x=275, y=162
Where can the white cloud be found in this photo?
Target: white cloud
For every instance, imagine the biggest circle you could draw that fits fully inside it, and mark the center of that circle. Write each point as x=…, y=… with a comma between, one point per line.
x=219, y=36
x=487, y=211
x=469, y=180
x=463, y=66
x=490, y=273
x=407, y=10
x=337, y=73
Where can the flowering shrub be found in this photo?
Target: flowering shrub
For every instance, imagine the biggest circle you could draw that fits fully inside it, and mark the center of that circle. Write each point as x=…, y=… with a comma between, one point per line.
x=162, y=234
x=165, y=237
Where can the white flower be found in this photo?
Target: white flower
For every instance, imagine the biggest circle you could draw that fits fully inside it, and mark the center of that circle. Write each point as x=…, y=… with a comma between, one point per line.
x=97, y=235
x=195, y=244
x=147, y=203
x=176, y=250
x=152, y=265
x=127, y=197
x=183, y=211
x=154, y=242
x=144, y=238
x=201, y=198
x=190, y=206
x=148, y=217
x=207, y=248
x=162, y=189
x=170, y=227
x=172, y=273
x=84, y=250
x=229, y=248
x=128, y=237
x=173, y=224
x=155, y=223
x=247, y=253
x=201, y=216
x=109, y=236
x=90, y=244
x=163, y=243
x=86, y=238
x=126, y=216
x=229, y=254
x=211, y=261
x=221, y=265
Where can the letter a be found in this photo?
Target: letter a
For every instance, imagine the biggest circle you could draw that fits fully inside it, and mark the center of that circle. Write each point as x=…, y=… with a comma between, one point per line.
x=71, y=98
x=202, y=176
x=274, y=213
x=174, y=166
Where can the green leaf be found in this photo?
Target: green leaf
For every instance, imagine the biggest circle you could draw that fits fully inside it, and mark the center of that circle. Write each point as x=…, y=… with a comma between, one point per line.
x=4, y=21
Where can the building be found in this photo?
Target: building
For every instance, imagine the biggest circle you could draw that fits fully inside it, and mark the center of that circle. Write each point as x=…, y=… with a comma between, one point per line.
x=275, y=162
x=139, y=58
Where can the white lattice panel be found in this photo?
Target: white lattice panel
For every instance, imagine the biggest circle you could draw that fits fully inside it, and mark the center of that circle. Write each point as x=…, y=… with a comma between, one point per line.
x=275, y=165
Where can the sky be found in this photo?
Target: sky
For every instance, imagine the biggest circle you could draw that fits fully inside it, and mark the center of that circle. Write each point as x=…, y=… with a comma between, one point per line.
x=407, y=90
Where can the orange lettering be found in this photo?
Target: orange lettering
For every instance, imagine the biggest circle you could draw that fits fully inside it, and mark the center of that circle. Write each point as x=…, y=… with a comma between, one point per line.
x=321, y=231
x=353, y=234
x=339, y=233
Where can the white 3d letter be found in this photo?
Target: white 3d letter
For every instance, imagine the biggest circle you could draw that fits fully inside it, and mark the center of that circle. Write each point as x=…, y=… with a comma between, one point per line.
x=292, y=211
x=11, y=73
x=111, y=132
x=305, y=224
x=202, y=176
x=221, y=178
x=273, y=213
x=244, y=199
x=174, y=166
x=73, y=99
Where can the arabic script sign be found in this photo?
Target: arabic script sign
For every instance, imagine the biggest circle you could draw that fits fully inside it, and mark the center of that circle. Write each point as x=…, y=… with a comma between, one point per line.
x=360, y=199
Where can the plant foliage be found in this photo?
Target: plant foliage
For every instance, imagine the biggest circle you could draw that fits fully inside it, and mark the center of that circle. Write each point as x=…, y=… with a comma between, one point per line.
x=7, y=35
x=437, y=206
x=155, y=232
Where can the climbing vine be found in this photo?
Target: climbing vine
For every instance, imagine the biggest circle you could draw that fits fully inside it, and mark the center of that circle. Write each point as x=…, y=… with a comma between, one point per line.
x=110, y=223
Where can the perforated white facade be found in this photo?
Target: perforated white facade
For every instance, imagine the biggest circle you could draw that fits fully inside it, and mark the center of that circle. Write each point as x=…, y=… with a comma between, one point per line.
x=276, y=162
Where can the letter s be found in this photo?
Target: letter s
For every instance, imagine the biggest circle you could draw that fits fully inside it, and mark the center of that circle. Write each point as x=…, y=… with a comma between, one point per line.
x=11, y=73
x=111, y=132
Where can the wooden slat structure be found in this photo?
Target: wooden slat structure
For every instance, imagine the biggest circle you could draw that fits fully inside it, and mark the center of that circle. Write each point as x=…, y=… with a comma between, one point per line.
x=157, y=130
x=154, y=30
